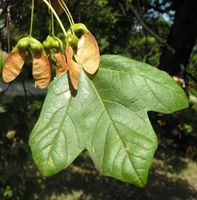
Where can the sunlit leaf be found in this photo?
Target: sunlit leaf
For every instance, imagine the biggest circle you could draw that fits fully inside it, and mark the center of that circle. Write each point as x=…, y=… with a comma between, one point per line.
x=108, y=117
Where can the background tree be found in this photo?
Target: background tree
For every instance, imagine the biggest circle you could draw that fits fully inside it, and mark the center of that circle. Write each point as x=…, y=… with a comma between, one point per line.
x=162, y=33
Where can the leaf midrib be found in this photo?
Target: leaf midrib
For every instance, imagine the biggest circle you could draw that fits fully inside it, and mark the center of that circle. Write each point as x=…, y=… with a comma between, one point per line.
x=104, y=107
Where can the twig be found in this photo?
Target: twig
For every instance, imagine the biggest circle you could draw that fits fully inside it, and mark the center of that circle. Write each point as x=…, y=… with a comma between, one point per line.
x=150, y=31
x=150, y=53
x=5, y=90
x=24, y=88
x=8, y=26
x=191, y=76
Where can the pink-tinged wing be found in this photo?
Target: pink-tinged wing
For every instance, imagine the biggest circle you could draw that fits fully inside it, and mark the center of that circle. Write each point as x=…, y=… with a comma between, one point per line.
x=61, y=64
x=88, y=53
x=13, y=65
x=74, y=69
x=41, y=70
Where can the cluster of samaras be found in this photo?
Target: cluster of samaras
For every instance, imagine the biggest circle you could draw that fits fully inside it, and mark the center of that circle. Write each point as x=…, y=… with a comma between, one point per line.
x=80, y=50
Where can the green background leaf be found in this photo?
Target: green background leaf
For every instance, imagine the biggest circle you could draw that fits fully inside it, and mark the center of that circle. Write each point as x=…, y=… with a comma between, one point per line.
x=108, y=117
x=3, y=57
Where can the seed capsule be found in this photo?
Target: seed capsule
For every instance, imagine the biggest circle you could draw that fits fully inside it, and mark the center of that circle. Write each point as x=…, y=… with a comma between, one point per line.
x=71, y=40
x=79, y=29
x=47, y=43
x=60, y=46
x=13, y=65
x=23, y=43
x=35, y=45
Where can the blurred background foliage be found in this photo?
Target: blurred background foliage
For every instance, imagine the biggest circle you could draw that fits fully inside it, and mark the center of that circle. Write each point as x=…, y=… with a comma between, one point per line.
x=162, y=33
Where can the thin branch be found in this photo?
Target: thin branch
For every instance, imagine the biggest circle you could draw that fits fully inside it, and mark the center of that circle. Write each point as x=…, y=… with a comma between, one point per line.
x=24, y=88
x=8, y=26
x=150, y=31
x=5, y=90
x=150, y=53
x=32, y=18
x=191, y=76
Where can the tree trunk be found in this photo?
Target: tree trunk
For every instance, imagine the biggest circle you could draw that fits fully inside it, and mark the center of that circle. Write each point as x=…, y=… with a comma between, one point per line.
x=181, y=38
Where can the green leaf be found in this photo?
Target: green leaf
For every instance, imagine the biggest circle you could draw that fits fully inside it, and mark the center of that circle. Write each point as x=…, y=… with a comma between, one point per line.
x=108, y=117
x=3, y=57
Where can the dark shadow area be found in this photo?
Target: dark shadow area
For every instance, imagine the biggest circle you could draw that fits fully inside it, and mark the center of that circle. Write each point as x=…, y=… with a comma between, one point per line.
x=94, y=186
x=20, y=179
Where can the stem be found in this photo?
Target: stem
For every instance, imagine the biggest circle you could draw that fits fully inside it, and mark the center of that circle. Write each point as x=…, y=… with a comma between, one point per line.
x=52, y=25
x=32, y=18
x=67, y=12
x=65, y=9
x=51, y=31
x=62, y=6
x=56, y=16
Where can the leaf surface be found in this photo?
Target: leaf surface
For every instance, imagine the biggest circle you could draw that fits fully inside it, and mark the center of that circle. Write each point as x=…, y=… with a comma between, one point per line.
x=108, y=117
